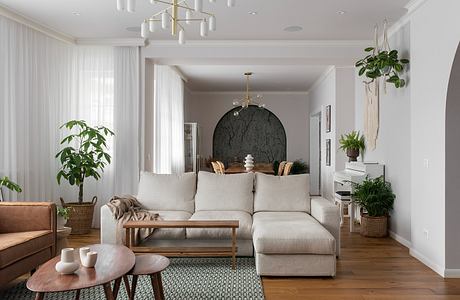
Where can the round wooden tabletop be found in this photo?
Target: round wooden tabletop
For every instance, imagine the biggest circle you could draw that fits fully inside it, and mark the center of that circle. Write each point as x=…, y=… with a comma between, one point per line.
x=147, y=264
x=113, y=262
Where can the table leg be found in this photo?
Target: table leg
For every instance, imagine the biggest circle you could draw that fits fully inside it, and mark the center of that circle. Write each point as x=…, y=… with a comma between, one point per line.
x=127, y=237
x=233, y=248
x=39, y=296
x=116, y=287
x=77, y=295
x=133, y=287
x=157, y=286
x=108, y=291
x=351, y=207
x=128, y=288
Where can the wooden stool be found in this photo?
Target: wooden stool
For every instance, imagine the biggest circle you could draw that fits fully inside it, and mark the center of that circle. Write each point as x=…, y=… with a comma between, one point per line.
x=151, y=265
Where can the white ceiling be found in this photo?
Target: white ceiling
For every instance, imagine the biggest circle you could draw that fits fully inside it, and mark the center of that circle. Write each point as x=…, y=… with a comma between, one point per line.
x=265, y=78
x=319, y=18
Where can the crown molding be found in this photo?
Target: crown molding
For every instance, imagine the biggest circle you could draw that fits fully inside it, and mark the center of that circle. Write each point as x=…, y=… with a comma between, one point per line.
x=411, y=7
x=321, y=78
x=21, y=19
x=135, y=42
x=261, y=43
x=252, y=92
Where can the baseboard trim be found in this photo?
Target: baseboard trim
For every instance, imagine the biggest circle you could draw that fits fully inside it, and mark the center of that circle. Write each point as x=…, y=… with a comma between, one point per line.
x=426, y=261
x=452, y=273
x=400, y=239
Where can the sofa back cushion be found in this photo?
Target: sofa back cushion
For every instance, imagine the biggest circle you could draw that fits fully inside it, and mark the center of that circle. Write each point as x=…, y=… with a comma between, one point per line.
x=225, y=192
x=167, y=192
x=282, y=193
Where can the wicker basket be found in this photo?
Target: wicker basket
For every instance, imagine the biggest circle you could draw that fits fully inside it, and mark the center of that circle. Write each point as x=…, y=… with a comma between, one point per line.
x=81, y=215
x=374, y=226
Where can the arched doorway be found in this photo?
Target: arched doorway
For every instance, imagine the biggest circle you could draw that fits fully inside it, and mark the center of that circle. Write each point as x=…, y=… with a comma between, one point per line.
x=256, y=131
x=453, y=167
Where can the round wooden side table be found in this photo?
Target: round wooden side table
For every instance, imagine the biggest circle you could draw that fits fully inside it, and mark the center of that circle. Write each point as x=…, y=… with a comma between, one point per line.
x=150, y=265
x=62, y=234
x=113, y=262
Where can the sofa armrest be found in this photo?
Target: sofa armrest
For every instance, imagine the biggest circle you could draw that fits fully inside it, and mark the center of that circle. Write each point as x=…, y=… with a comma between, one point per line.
x=328, y=214
x=27, y=216
x=108, y=226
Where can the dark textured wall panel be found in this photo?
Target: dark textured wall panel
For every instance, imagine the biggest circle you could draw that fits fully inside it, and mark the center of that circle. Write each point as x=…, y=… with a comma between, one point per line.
x=256, y=131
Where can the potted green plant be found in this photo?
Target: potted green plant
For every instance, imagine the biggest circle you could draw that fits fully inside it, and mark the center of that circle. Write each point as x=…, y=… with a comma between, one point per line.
x=12, y=186
x=382, y=63
x=299, y=167
x=376, y=198
x=352, y=143
x=63, y=214
x=84, y=155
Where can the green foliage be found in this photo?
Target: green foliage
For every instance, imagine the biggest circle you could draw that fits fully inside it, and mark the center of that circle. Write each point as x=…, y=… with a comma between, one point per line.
x=63, y=212
x=374, y=195
x=299, y=167
x=384, y=64
x=84, y=155
x=6, y=182
x=353, y=140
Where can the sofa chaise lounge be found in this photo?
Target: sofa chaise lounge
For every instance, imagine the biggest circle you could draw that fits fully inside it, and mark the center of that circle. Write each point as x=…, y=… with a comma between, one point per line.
x=288, y=232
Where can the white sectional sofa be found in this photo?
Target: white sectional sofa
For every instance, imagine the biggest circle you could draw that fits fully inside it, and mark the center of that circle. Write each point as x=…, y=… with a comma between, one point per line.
x=288, y=232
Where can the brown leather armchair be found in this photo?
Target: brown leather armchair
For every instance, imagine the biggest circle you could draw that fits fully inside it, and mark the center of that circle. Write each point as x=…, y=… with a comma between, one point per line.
x=27, y=237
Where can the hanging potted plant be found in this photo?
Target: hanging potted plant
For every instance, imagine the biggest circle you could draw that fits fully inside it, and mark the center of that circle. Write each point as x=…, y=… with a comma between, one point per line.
x=85, y=155
x=12, y=186
x=376, y=199
x=352, y=144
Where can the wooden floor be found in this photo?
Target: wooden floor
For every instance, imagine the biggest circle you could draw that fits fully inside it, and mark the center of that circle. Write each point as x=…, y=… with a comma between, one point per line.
x=368, y=269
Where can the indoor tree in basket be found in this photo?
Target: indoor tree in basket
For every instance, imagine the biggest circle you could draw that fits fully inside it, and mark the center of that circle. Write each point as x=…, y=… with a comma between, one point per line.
x=85, y=155
x=376, y=197
x=352, y=143
x=6, y=182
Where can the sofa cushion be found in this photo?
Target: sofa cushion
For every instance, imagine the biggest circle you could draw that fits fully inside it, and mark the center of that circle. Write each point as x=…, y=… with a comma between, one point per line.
x=290, y=233
x=282, y=193
x=225, y=192
x=18, y=245
x=243, y=232
x=167, y=192
x=171, y=233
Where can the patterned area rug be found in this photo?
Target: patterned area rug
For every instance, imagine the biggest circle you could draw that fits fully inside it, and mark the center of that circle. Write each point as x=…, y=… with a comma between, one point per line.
x=184, y=279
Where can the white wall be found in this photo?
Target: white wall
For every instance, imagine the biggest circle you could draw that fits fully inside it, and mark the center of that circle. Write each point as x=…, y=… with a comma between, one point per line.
x=206, y=108
x=335, y=88
x=393, y=143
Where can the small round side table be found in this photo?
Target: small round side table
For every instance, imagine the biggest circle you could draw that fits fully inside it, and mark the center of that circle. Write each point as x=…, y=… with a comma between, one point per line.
x=62, y=234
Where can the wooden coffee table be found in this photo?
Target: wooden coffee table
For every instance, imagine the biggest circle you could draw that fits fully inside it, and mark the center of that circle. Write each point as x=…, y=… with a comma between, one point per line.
x=113, y=262
x=184, y=251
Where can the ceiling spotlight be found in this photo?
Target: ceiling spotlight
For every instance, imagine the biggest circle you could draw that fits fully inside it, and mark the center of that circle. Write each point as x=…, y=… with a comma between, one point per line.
x=293, y=28
x=253, y=13
x=341, y=12
x=75, y=13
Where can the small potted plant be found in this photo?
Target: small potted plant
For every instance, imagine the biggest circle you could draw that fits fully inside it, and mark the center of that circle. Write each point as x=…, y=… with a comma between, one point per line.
x=85, y=155
x=12, y=186
x=376, y=199
x=63, y=214
x=352, y=144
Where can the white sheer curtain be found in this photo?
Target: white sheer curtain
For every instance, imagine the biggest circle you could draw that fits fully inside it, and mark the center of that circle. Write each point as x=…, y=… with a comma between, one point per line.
x=168, y=109
x=44, y=83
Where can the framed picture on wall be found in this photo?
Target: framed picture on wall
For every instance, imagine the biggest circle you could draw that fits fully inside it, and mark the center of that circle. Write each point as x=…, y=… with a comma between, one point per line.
x=328, y=118
x=328, y=152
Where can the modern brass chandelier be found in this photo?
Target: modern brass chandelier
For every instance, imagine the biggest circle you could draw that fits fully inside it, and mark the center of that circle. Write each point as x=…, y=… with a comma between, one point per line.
x=175, y=15
x=247, y=99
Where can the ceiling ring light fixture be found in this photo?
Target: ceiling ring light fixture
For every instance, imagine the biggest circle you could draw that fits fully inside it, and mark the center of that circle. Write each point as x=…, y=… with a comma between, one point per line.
x=247, y=99
x=172, y=15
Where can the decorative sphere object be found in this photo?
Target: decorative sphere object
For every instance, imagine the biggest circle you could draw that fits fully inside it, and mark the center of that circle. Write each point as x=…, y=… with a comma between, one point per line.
x=67, y=264
x=249, y=162
x=88, y=258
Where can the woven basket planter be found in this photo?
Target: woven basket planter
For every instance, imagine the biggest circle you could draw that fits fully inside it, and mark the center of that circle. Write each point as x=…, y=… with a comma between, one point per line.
x=81, y=216
x=374, y=226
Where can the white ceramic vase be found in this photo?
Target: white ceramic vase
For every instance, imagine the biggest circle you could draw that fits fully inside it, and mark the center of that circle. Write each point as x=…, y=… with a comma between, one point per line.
x=67, y=265
x=249, y=162
x=88, y=258
x=61, y=221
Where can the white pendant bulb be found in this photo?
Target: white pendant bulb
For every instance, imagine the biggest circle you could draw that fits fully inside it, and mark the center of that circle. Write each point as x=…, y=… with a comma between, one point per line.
x=145, y=30
x=153, y=1
x=230, y=3
x=199, y=5
x=204, y=28
x=212, y=1
x=188, y=16
x=152, y=25
x=164, y=20
x=120, y=5
x=131, y=7
x=181, y=37
x=212, y=23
